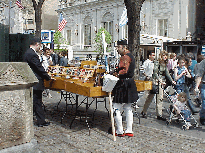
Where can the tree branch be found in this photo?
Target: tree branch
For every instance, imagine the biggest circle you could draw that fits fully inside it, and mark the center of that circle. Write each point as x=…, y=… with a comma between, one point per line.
x=34, y=4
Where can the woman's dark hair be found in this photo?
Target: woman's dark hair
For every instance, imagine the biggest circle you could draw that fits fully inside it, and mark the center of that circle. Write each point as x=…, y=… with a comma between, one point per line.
x=187, y=61
x=200, y=58
x=172, y=55
x=181, y=57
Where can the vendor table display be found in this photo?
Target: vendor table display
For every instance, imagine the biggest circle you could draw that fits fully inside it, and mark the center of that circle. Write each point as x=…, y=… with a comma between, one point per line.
x=85, y=80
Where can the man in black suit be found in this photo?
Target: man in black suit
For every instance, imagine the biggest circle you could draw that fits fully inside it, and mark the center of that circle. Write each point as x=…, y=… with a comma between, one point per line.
x=33, y=61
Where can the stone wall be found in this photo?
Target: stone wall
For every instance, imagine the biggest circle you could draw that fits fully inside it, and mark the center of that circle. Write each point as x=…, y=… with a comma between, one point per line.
x=16, y=104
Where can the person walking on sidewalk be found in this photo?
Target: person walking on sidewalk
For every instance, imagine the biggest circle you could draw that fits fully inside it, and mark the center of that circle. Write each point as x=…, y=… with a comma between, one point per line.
x=125, y=91
x=159, y=73
x=32, y=58
x=148, y=72
x=200, y=79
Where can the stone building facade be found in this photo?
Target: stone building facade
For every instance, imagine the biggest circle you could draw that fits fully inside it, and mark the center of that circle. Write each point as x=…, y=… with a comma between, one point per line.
x=84, y=18
x=168, y=18
x=161, y=19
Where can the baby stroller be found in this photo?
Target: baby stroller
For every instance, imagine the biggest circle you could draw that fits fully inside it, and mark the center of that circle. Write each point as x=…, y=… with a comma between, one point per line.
x=173, y=116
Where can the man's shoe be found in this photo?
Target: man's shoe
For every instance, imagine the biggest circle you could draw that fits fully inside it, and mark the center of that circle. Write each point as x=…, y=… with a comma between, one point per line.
x=44, y=124
x=144, y=115
x=202, y=121
x=120, y=135
x=161, y=118
x=129, y=134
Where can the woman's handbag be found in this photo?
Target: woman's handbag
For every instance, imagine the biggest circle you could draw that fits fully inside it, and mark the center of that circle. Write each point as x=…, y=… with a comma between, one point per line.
x=155, y=85
x=155, y=89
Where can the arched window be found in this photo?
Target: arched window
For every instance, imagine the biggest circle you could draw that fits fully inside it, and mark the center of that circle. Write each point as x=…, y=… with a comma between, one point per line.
x=87, y=31
x=107, y=21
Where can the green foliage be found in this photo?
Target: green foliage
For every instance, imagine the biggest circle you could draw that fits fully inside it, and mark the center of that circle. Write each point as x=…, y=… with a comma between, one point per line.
x=98, y=41
x=60, y=50
x=58, y=39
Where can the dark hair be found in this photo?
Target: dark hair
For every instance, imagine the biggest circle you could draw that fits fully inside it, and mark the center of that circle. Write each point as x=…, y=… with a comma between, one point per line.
x=190, y=55
x=122, y=42
x=200, y=58
x=187, y=61
x=34, y=41
x=181, y=58
x=172, y=55
x=150, y=53
x=64, y=53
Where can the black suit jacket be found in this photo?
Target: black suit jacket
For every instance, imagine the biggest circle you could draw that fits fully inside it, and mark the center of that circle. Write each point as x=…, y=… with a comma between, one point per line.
x=33, y=61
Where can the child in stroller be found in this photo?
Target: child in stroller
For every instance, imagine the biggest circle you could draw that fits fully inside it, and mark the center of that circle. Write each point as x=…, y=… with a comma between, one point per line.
x=180, y=111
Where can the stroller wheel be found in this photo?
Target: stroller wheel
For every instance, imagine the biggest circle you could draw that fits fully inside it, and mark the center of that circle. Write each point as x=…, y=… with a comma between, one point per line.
x=185, y=127
x=167, y=122
x=195, y=125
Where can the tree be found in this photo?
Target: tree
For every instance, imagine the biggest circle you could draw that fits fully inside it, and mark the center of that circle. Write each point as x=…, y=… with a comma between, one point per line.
x=58, y=39
x=38, y=12
x=98, y=41
x=133, y=15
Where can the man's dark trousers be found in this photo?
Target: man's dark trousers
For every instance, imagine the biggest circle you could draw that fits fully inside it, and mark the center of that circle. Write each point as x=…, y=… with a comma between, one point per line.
x=37, y=106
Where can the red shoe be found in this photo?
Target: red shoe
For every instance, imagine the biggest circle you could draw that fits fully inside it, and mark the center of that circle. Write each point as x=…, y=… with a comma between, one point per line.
x=120, y=135
x=129, y=134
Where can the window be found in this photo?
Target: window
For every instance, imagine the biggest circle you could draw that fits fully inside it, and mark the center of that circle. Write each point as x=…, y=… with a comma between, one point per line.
x=69, y=37
x=126, y=30
x=109, y=27
x=163, y=27
x=30, y=21
x=87, y=37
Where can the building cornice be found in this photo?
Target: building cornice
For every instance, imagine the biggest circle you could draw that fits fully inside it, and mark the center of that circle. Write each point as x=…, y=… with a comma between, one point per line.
x=89, y=6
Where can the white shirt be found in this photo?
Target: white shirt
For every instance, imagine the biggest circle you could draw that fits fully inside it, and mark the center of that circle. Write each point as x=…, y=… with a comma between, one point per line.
x=181, y=106
x=34, y=50
x=172, y=64
x=148, y=66
x=45, y=62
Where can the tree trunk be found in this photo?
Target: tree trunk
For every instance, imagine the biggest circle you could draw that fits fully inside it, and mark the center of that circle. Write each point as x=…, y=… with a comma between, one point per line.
x=133, y=15
x=38, y=22
x=38, y=12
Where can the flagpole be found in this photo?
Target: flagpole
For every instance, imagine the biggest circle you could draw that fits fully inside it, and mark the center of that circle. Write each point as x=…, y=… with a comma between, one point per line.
x=9, y=15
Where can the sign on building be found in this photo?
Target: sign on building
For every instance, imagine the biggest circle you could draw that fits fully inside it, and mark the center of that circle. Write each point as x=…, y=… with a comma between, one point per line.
x=46, y=36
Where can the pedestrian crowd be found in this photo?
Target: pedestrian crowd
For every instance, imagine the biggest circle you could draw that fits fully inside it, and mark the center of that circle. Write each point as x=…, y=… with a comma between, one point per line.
x=184, y=74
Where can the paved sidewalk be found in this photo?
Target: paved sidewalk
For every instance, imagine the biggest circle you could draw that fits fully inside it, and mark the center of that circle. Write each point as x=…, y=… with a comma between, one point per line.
x=59, y=138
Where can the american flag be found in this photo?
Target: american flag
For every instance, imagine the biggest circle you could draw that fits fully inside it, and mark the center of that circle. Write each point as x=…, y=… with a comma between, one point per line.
x=18, y=2
x=62, y=23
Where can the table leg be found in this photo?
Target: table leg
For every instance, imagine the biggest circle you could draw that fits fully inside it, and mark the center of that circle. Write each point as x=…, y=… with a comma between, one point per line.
x=86, y=116
x=76, y=109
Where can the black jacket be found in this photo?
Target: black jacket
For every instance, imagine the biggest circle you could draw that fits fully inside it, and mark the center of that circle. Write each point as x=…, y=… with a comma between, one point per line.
x=33, y=61
x=63, y=61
